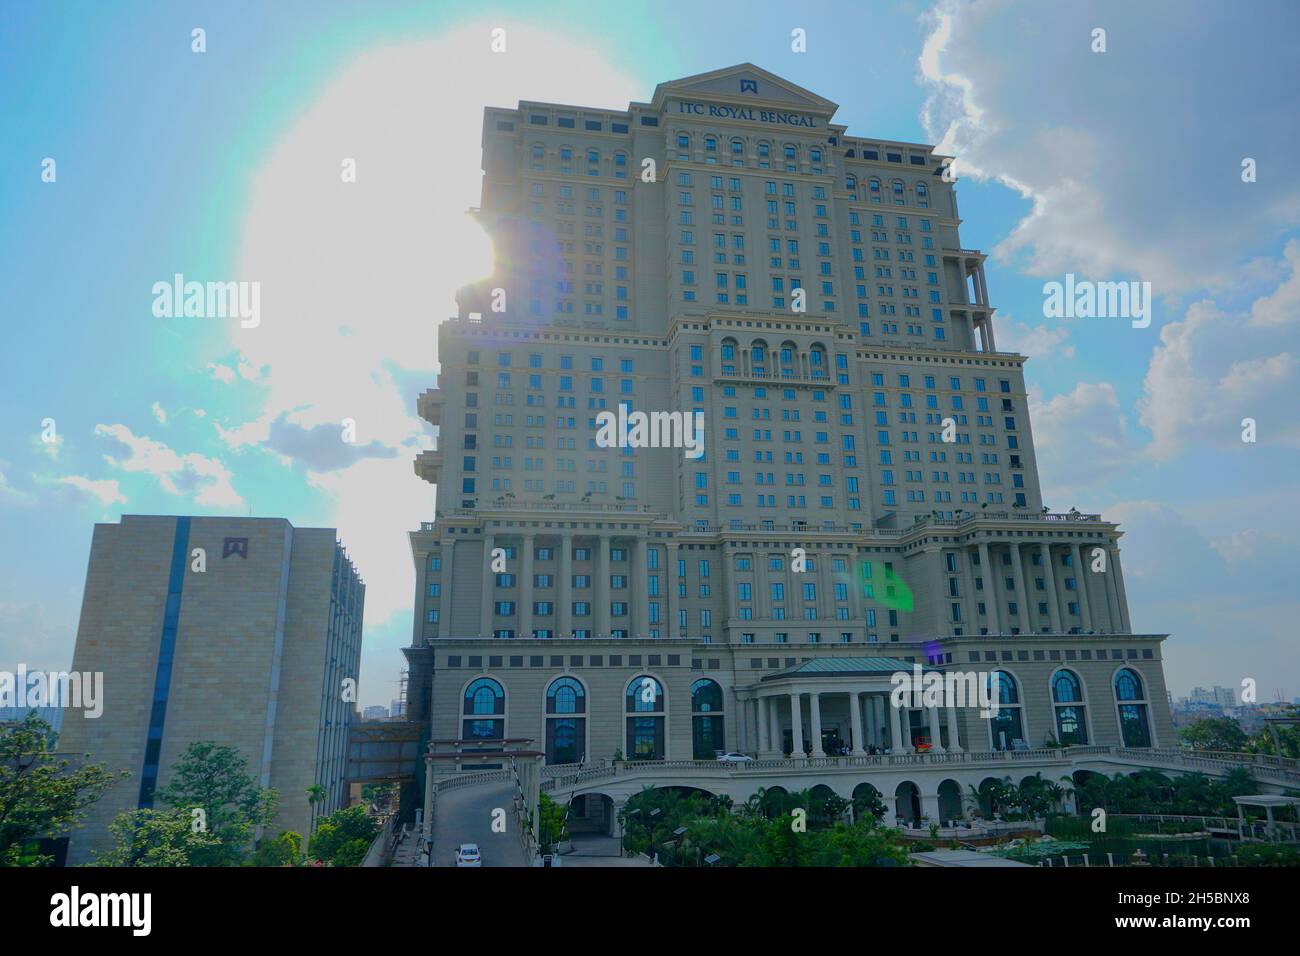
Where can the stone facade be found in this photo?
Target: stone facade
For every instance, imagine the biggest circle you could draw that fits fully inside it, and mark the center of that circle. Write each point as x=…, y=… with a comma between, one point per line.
x=263, y=641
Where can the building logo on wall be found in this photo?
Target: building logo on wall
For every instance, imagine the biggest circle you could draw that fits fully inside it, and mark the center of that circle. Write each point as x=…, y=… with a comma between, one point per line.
x=749, y=86
x=237, y=546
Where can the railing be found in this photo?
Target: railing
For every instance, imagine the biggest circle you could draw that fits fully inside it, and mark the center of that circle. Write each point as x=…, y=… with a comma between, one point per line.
x=566, y=777
x=456, y=781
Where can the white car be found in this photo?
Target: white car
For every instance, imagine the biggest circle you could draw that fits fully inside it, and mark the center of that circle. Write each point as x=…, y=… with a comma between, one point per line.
x=734, y=758
x=467, y=855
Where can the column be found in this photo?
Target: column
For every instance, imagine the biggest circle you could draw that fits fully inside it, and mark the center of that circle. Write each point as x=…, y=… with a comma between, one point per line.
x=815, y=709
x=763, y=594
x=930, y=807
x=600, y=587
x=526, y=587
x=869, y=724
x=890, y=819
x=764, y=728
x=1112, y=596
x=565, y=619
x=855, y=723
x=426, y=824
x=774, y=732
x=639, y=590
x=1022, y=590
x=936, y=740
x=1119, y=589
x=992, y=602
x=895, y=730
x=1049, y=581
x=796, y=728
x=971, y=625
x=855, y=593
x=489, y=582
x=670, y=578
x=954, y=739
x=878, y=705
x=1084, y=610
x=444, y=605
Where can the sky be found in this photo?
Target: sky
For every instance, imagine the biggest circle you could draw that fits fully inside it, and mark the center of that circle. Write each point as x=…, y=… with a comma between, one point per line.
x=1122, y=164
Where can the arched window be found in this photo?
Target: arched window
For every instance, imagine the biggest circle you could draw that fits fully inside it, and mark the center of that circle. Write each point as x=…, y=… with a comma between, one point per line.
x=737, y=152
x=873, y=186
x=566, y=159
x=683, y=146
x=922, y=196
x=1134, y=715
x=593, y=162
x=851, y=184
x=765, y=155
x=728, y=356
x=758, y=357
x=1008, y=726
x=1067, y=700
x=566, y=723
x=791, y=158
x=707, y=734
x=710, y=149
x=539, y=156
x=815, y=157
x=620, y=165
x=898, y=193
x=484, y=711
x=645, y=719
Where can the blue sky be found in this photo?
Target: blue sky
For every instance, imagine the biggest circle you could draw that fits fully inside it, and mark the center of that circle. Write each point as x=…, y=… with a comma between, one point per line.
x=1116, y=165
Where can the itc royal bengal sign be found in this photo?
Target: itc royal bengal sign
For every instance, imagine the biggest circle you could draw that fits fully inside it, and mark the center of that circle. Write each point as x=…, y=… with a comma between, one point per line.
x=747, y=113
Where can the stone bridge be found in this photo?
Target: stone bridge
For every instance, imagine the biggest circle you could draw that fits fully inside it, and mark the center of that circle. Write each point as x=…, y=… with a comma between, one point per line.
x=912, y=786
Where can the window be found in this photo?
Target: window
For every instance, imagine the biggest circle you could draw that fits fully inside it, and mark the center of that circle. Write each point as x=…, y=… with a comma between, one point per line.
x=484, y=711
x=644, y=703
x=1134, y=716
x=1067, y=700
x=1008, y=726
x=566, y=725
x=707, y=732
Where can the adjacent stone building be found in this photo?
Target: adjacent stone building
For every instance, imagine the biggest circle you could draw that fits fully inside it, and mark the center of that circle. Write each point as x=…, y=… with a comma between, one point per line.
x=238, y=631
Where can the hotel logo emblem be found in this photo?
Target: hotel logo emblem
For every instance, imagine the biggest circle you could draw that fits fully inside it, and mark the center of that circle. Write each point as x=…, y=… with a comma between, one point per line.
x=749, y=86
x=237, y=546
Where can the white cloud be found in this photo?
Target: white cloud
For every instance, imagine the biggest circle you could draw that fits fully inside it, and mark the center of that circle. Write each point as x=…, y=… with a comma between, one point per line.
x=222, y=373
x=159, y=413
x=106, y=490
x=1038, y=341
x=1214, y=368
x=1061, y=126
x=206, y=479
x=1081, y=438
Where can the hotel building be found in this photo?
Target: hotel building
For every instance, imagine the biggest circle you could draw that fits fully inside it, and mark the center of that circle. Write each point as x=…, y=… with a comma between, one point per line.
x=868, y=497
x=237, y=631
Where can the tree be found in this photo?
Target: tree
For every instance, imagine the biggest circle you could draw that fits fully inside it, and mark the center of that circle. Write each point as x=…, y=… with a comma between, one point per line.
x=1215, y=733
x=284, y=850
x=214, y=778
x=41, y=794
x=153, y=837
x=343, y=838
x=553, y=823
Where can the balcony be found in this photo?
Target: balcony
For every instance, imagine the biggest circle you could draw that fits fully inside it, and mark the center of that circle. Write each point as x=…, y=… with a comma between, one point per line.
x=428, y=465
x=429, y=405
